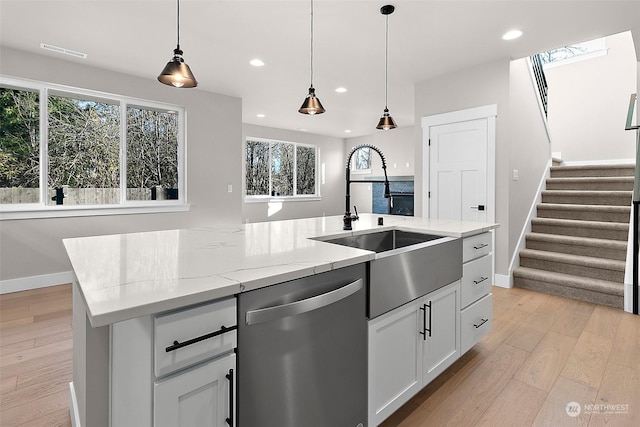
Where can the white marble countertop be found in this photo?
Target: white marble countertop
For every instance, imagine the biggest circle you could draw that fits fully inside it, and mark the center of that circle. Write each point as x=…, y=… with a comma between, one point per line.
x=130, y=275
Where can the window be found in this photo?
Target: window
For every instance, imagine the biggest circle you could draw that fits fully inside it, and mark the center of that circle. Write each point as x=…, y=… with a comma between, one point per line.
x=280, y=169
x=361, y=161
x=63, y=149
x=573, y=53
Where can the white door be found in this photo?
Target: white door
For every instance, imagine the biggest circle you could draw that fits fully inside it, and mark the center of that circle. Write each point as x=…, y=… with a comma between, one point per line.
x=458, y=171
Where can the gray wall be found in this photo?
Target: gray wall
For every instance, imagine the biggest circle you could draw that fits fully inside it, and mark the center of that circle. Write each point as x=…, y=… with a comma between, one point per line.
x=331, y=189
x=473, y=87
x=31, y=247
x=588, y=102
x=529, y=149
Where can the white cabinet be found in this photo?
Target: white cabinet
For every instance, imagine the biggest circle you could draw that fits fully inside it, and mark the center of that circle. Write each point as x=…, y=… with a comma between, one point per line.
x=410, y=346
x=200, y=397
x=176, y=368
x=441, y=338
x=395, y=371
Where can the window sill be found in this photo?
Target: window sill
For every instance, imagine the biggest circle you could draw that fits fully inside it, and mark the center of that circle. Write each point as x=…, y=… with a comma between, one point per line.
x=89, y=210
x=269, y=199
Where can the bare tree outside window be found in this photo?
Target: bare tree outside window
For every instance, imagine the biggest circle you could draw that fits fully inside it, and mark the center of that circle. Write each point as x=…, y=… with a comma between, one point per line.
x=83, y=151
x=152, y=153
x=280, y=169
x=19, y=146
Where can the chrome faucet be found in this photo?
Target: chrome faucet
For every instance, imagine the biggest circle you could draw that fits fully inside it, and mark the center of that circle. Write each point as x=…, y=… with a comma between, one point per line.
x=348, y=217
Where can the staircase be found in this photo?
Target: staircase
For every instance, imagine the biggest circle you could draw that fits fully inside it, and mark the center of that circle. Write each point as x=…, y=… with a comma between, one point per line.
x=578, y=244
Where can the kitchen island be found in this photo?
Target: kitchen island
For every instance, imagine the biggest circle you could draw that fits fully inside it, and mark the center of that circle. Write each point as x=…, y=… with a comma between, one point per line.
x=124, y=281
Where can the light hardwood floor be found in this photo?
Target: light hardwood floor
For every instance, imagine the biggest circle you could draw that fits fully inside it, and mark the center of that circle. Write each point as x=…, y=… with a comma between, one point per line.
x=543, y=353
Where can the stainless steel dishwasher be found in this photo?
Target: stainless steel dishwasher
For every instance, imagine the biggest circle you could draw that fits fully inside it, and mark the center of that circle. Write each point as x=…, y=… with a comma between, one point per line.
x=302, y=352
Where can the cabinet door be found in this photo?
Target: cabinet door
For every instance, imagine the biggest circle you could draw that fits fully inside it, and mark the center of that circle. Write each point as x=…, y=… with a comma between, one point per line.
x=394, y=361
x=198, y=397
x=440, y=311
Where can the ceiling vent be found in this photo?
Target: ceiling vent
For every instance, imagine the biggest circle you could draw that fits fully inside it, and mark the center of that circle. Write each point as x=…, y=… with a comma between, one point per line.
x=63, y=50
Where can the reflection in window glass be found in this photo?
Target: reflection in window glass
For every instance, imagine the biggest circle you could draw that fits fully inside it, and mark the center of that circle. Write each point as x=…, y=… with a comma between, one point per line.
x=152, y=154
x=83, y=152
x=19, y=146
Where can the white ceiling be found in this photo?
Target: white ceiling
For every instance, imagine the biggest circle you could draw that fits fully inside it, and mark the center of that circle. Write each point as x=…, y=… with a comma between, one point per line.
x=426, y=38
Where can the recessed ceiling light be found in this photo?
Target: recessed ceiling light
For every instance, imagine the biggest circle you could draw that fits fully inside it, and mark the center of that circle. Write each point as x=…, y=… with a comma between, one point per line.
x=511, y=35
x=260, y=115
x=347, y=131
x=301, y=129
x=257, y=62
x=341, y=89
x=63, y=50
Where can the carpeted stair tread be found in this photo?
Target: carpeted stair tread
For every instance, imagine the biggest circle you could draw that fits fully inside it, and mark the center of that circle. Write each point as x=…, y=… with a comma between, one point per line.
x=614, y=183
x=603, y=213
x=581, y=288
x=571, y=227
x=593, y=170
x=577, y=241
x=590, y=197
x=576, y=260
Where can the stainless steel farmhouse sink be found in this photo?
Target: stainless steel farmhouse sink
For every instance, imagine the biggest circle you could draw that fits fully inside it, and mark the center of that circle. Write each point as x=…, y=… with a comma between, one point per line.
x=407, y=265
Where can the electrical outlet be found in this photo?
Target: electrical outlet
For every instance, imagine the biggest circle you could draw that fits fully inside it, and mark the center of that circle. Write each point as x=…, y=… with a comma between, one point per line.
x=515, y=174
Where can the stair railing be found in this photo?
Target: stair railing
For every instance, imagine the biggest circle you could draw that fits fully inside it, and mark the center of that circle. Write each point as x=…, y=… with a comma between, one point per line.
x=636, y=200
x=541, y=80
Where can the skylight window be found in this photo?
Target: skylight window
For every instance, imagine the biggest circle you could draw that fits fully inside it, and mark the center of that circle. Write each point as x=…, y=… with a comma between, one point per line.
x=573, y=53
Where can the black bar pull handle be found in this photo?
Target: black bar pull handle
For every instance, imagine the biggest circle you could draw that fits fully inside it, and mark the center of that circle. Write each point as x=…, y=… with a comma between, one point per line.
x=229, y=419
x=430, y=310
x=482, y=279
x=481, y=323
x=223, y=329
x=480, y=246
x=424, y=321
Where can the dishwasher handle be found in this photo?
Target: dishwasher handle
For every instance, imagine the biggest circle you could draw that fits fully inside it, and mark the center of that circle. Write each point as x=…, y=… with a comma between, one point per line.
x=298, y=307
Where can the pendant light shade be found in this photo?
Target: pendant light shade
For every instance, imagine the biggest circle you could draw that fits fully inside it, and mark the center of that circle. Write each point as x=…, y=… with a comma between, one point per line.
x=177, y=73
x=386, y=121
x=311, y=104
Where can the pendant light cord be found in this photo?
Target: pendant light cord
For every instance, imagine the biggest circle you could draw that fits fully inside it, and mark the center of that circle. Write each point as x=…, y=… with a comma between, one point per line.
x=311, y=43
x=386, y=63
x=178, y=19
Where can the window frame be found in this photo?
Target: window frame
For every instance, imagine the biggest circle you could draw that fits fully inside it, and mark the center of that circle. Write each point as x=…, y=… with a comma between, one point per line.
x=269, y=198
x=124, y=206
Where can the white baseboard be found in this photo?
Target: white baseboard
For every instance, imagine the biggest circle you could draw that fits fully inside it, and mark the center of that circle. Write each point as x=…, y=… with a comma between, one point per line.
x=35, y=282
x=73, y=407
x=503, y=281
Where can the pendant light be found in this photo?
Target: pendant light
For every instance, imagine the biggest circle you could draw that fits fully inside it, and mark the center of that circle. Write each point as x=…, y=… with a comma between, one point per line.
x=386, y=121
x=177, y=73
x=311, y=104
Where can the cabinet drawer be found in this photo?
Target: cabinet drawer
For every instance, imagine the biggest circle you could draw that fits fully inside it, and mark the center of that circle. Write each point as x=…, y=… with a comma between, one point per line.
x=476, y=246
x=476, y=322
x=201, y=330
x=476, y=280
